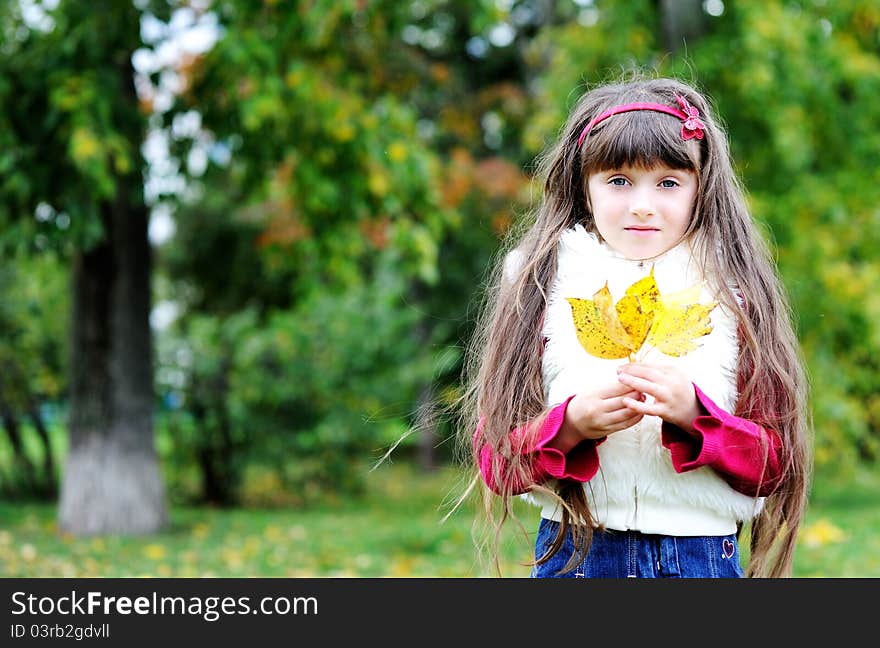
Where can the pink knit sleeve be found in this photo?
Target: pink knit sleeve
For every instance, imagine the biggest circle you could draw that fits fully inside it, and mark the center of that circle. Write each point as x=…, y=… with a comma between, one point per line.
x=580, y=463
x=734, y=447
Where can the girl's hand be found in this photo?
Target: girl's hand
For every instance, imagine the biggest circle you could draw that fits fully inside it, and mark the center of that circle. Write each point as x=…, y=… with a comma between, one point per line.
x=675, y=400
x=594, y=415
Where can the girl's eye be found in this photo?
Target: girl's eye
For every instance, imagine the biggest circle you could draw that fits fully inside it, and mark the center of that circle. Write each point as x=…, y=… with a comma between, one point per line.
x=617, y=182
x=668, y=184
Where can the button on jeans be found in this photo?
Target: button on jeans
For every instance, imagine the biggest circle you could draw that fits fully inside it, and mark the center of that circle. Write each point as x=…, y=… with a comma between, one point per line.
x=630, y=554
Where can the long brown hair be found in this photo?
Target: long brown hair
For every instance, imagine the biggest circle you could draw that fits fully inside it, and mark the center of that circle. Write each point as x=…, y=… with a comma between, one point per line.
x=503, y=385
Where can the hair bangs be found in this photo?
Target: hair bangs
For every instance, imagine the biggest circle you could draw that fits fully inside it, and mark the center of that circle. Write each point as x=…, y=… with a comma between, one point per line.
x=639, y=138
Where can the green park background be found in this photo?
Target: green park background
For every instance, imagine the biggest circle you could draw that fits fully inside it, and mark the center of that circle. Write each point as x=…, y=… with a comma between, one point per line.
x=243, y=244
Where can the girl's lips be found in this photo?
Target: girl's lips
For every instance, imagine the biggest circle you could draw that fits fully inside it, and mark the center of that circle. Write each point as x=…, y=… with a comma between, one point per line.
x=641, y=231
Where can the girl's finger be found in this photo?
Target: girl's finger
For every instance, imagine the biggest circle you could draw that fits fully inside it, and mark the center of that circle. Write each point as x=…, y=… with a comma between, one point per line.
x=616, y=390
x=620, y=416
x=648, y=372
x=638, y=384
x=648, y=409
x=617, y=404
x=627, y=423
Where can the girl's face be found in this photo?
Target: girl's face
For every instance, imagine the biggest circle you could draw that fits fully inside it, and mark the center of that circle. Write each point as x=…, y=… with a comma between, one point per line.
x=642, y=213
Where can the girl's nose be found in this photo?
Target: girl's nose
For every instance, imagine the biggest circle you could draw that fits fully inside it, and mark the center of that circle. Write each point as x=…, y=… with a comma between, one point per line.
x=641, y=207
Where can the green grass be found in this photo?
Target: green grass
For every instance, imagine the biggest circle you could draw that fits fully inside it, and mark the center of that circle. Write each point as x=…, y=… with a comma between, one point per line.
x=395, y=530
x=840, y=536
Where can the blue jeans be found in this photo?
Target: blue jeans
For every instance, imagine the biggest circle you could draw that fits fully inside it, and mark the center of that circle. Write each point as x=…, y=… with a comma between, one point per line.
x=630, y=554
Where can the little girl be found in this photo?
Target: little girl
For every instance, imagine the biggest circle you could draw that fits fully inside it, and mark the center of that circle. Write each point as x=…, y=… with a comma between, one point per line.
x=637, y=374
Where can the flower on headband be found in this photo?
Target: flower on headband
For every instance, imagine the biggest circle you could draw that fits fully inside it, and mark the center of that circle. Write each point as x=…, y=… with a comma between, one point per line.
x=692, y=126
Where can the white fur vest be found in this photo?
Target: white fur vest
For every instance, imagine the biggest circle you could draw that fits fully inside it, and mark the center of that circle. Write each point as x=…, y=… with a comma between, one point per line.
x=636, y=487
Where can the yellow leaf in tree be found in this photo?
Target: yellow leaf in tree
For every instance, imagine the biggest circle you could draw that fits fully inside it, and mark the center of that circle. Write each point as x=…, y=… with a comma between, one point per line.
x=85, y=146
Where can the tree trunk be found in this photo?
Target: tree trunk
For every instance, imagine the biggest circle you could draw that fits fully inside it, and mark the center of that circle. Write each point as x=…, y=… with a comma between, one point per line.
x=23, y=469
x=216, y=458
x=111, y=482
x=49, y=480
x=428, y=433
x=45, y=485
x=425, y=419
x=682, y=20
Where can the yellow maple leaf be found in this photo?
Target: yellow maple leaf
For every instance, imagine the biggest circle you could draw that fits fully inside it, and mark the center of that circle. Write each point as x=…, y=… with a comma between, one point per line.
x=670, y=323
x=645, y=289
x=679, y=320
x=636, y=309
x=592, y=332
x=611, y=320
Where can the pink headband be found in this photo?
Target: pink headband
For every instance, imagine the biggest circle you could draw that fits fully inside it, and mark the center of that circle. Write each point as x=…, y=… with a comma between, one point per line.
x=690, y=128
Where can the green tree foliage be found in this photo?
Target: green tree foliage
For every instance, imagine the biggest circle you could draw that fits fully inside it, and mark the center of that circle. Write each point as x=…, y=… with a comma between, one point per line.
x=330, y=214
x=374, y=159
x=67, y=131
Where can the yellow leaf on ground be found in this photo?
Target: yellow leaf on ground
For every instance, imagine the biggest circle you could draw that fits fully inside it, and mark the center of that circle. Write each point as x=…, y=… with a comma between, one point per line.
x=28, y=552
x=154, y=551
x=820, y=533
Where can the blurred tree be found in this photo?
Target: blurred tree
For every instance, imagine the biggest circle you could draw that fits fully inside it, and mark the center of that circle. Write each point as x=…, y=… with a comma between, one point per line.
x=328, y=200
x=682, y=21
x=355, y=139
x=70, y=138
